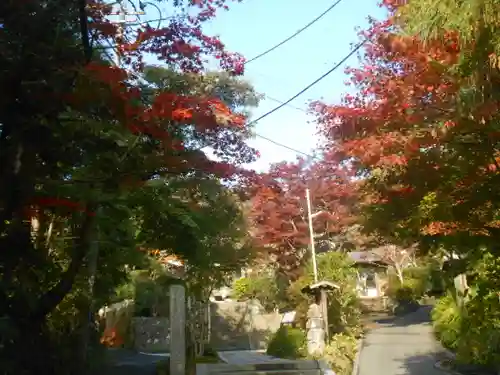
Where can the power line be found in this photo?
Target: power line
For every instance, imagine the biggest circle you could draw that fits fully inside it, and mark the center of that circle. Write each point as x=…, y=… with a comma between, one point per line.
x=284, y=146
x=283, y=104
x=294, y=35
x=310, y=85
x=287, y=102
x=113, y=61
x=288, y=105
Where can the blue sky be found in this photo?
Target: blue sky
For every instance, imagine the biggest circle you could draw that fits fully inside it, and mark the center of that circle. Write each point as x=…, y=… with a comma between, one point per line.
x=253, y=26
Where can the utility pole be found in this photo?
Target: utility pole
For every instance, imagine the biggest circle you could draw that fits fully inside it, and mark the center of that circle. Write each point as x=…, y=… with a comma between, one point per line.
x=321, y=289
x=311, y=235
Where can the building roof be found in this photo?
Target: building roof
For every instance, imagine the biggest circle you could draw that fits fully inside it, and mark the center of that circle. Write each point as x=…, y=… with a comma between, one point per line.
x=366, y=257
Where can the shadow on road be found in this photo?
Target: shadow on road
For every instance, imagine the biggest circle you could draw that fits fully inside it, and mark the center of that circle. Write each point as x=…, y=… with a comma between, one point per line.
x=128, y=362
x=426, y=365
x=421, y=365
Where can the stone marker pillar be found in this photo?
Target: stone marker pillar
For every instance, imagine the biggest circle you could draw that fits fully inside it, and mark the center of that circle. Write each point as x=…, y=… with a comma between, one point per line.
x=315, y=330
x=177, y=330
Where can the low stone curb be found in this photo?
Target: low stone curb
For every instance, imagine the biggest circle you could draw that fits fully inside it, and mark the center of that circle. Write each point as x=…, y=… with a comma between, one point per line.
x=275, y=365
x=355, y=363
x=266, y=358
x=271, y=367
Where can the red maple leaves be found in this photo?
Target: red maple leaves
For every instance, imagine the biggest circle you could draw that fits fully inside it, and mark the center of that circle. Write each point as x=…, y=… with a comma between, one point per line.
x=279, y=211
x=182, y=45
x=409, y=131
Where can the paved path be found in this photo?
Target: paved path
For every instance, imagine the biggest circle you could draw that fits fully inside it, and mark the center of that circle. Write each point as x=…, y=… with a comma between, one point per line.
x=248, y=357
x=128, y=362
x=401, y=346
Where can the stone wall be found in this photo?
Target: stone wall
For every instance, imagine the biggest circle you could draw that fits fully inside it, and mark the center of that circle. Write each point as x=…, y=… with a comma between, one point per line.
x=241, y=325
x=118, y=318
x=234, y=326
x=151, y=335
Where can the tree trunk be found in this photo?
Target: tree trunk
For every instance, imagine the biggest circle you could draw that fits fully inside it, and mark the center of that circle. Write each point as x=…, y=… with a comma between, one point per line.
x=88, y=311
x=30, y=350
x=190, y=352
x=399, y=273
x=54, y=296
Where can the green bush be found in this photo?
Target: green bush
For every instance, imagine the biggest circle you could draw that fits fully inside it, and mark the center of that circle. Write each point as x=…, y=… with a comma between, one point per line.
x=340, y=353
x=446, y=322
x=242, y=288
x=436, y=281
x=480, y=313
x=417, y=273
x=470, y=326
x=260, y=287
x=405, y=294
x=287, y=342
x=149, y=290
x=344, y=311
x=207, y=359
x=415, y=285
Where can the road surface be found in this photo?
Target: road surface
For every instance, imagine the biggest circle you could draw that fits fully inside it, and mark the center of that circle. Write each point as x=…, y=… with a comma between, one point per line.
x=401, y=346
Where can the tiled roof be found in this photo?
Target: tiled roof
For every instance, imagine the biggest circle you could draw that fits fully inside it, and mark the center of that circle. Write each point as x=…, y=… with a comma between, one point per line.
x=366, y=257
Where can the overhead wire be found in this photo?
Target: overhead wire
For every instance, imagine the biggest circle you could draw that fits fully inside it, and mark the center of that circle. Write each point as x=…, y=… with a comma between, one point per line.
x=298, y=32
x=316, y=81
x=287, y=102
x=302, y=91
x=284, y=146
x=281, y=102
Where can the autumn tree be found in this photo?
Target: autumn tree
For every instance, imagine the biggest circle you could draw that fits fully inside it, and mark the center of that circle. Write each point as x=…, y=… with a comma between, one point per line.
x=80, y=137
x=391, y=130
x=473, y=136
x=423, y=129
x=279, y=210
x=422, y=132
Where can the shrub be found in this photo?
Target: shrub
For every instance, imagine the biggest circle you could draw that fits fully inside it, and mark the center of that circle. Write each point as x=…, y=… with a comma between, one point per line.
x=417, y=273
x=446, y=322
x=480, y=313
x=437, y=278
x=340, y=353
x=260, y=287
x=208, y=359
x=405, y=294
x=415, y=285
x=287, y=342
x=344, y=312
x=242, y=288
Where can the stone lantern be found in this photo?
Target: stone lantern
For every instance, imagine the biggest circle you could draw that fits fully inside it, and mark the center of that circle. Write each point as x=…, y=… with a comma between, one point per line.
x=317, y=316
